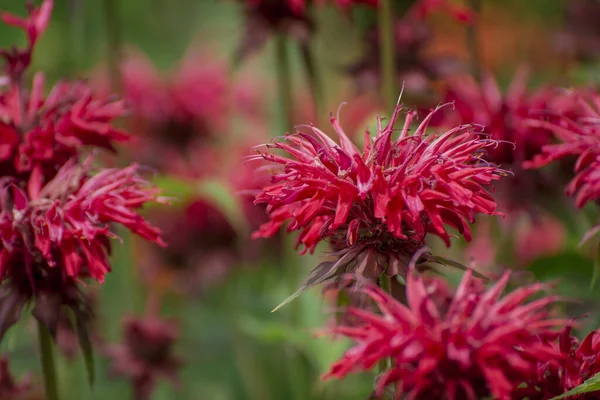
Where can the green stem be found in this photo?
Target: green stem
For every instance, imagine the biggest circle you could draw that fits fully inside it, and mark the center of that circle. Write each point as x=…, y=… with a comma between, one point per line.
x=77, y=35
x=113, y=33
x=284, y=81
x=48, y=366
x=472, y=43
x=316, y=89
x=387, y=53
x=385, y=284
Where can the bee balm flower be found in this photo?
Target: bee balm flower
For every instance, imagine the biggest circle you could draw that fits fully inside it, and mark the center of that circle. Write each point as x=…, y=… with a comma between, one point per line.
x=483, y=345
x=378, y=204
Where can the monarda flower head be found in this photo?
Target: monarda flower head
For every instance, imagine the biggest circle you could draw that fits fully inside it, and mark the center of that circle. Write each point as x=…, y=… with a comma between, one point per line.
x=52, y=238
x=576, y=362
x=577, y=136
x=482, y=345
x=377, y=206
x=56, y=217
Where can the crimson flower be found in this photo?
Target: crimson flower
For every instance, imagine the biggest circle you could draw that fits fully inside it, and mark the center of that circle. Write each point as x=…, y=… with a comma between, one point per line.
x=40, y=133
x=482, y=345
x=577, y=362
x=56, y=217
x=578, y=136
x=180, y=113
x=146, y=354
x=53, y=236
x=384, y=200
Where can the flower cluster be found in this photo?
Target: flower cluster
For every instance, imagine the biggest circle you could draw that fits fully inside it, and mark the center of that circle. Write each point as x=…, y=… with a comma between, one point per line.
x=383, y=200
x=56, y=217
x=480, y=345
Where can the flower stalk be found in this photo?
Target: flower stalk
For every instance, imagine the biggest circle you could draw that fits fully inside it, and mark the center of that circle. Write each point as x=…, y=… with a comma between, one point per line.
x=387, y=56
x=472, y=43
x=48, y=363
x=284, y=81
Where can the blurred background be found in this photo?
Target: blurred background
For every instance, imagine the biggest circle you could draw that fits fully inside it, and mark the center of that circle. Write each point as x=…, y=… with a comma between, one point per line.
x=201, y=79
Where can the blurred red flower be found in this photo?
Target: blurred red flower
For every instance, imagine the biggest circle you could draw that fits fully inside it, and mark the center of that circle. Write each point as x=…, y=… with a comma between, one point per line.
x=578, y=135
x=385, y=199
x=482, y=345
x=579, y=361
x=505, y=116
x=146, y=354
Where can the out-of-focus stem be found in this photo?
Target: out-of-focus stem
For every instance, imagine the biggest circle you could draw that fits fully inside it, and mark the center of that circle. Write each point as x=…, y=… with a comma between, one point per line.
x=314, y=81
x=113, y=35
x=387, y=53
x=385, y=284
x=284, y=80
x=77, y=34
x=48, y=365
x=472, y=40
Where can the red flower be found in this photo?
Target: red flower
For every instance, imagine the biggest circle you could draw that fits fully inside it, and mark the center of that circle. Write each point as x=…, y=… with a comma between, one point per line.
x=483, y=345
x=578, y=137
x=578, y=362
x=393, y=191
x=40, y=133
x=66, y=223
x=19, y=59
x=146, y=354
x=506, y=116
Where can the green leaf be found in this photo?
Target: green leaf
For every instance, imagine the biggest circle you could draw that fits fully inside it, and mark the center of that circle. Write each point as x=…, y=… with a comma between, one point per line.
x=591, y=385
x=451, y=263
x=216, y=192
x=179, y=189
x=319, y=274
x=78, y=318
x=322, y=272
x=223, y=196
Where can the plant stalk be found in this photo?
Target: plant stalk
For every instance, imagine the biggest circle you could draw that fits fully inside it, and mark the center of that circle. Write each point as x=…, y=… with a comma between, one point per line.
x=472, y=40
x=48, y=364
x=284, y=81
x=387, y=57
x=113, y=33
x=386, y=285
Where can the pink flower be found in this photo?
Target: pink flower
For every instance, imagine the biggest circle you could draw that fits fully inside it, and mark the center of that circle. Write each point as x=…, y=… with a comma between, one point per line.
x=483, y=345
x=181, y=114
x=394, y=191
